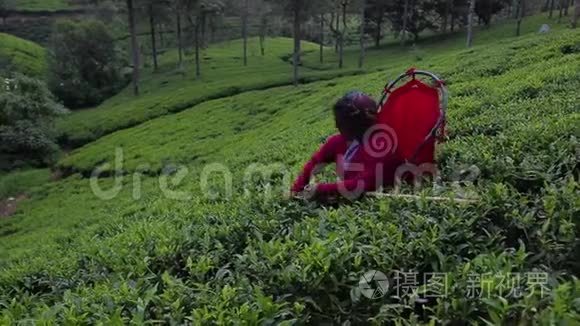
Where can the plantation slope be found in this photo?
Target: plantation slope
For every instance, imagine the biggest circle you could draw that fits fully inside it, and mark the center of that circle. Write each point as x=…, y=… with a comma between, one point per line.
x=46, y=5
x=17, y=182
x=392, y=54
x=475, y=77
x=19, y=55
x=171, y=90
x=514, y=113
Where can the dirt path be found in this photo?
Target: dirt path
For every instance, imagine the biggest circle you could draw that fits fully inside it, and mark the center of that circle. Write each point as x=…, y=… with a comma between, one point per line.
x=8, y=206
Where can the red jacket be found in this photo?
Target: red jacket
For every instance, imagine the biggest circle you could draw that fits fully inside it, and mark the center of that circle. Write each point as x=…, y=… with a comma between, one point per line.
x=365, y=171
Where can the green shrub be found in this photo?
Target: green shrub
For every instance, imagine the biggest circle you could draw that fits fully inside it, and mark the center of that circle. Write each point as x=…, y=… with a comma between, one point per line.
x=27, y=110
x=85, y=67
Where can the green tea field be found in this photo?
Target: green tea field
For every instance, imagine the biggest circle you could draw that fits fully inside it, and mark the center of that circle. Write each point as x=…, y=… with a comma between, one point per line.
x=21, y=55
x=173, y=207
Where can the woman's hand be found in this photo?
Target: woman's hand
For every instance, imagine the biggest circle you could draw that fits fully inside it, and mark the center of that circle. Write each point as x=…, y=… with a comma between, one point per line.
x=308, y=193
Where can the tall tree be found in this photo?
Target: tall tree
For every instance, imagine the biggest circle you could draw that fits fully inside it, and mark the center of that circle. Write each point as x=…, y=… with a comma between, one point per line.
x=297, y=7
x=264, y=11
x=405, y=21
x=134, y=46
x=84, y=63
x=321, y=38
x=576, y=13
x=362, y=33
x=521, y=13
x=194, y=20
x=178, y=5
x=6, y=6
x=153, y=36
x=447, y=11
x=320, y=11
x=337, y=36
x=485, y=9
x=551, y=8
x=245, y=14
x=375, y=14
x=470, y=23
x=338, y=31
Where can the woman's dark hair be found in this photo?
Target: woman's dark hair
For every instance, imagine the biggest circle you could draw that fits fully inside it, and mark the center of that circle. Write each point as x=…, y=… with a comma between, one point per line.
x=354, y=114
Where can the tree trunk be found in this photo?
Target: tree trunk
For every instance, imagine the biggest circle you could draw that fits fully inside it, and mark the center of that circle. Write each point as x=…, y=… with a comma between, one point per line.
x=296, y=57
x=521, y=10
x=470, y=23
x=321, y=38
x=197, y=49
x=378, y=32
x=560, y=10
x=446, y=15
x=361, y=58
x=341, y=37
x=405, y=18
x=452, y=22
x=160, y=27
x=576, y=13
x=179, y=39
x=134, y=47
x=203, y=23
x=337, y=45
x=153, y=42
x=245, y=31
x=566, y=5
x=545, y=6
x=551, y=8
x=263, y=30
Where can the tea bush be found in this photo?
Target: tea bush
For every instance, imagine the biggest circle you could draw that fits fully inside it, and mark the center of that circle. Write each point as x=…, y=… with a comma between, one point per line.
x=255, y=258
x=19, y=55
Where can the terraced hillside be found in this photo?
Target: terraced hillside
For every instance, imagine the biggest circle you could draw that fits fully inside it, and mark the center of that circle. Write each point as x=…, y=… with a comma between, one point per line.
x=167, y=242
x=172, y=90
x=21, y=56
x=46, y=5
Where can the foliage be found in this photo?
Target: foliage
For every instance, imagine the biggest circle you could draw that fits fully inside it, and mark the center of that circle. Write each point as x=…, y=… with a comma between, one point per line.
x=18, y=55
x=68, y=257
x=16, y=182
x=169, y=91
x=420, y=16
x=27, y=110
x=485, y=9
x=85, y=67
x=45, y=5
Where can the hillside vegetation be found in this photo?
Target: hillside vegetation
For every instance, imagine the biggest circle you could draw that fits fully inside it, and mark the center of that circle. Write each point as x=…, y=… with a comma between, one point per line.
x=44, y=5
x=19, y=55
x=164, y=251
x=172, y=90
